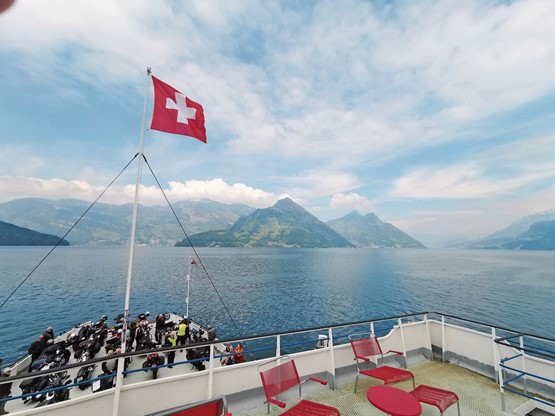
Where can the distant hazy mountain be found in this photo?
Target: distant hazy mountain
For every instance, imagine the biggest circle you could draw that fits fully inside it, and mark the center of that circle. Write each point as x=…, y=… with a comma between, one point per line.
x=522, y=225
x=540, y=236
x=370, y=231
x=12, y=235
x=107, y=224
x=285, y=224
x=533, y=232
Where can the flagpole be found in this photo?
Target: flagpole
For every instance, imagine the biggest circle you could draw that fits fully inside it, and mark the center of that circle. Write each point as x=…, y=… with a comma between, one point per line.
x=188, y=281
x=121, y=360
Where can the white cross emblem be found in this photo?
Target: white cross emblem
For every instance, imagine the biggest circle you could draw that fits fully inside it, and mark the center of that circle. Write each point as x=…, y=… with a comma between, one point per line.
x=183, y=112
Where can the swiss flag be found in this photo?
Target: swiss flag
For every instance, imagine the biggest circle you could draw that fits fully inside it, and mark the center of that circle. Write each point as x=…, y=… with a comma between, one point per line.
x=175, y=113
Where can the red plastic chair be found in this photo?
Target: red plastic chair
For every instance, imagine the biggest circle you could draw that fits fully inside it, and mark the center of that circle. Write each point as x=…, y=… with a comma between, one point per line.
x=366, y=346
x=214, y=407
x=280, y=375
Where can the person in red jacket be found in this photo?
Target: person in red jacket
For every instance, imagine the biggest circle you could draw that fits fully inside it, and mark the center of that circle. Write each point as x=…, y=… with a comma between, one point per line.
x=239, y=356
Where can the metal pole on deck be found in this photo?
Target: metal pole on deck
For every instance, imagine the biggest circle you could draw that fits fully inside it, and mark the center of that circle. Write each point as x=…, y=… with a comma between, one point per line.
x=188, y=283
x=121, y=360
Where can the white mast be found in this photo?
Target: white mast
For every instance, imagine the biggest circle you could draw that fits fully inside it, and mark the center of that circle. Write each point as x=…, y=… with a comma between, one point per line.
x=191, y=261
x=119, y=377
x=188, y=282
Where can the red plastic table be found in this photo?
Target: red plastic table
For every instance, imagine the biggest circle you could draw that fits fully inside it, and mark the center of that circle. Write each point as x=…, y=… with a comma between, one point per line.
x=394, y=401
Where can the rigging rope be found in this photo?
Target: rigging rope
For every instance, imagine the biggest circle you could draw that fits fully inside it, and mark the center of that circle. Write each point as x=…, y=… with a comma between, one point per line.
x=68, y=231
x=90, y=207
x=194, y=250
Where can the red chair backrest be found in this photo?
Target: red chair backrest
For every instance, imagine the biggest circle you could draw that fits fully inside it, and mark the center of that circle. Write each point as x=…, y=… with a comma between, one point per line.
x=366, y=346
x=215, y=407
x=208, y=409
x=279, y=378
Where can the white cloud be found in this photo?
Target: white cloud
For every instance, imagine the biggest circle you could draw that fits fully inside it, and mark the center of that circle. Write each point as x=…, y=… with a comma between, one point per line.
x=15, y=187
x=19, y=161
x=479, y=59
x=351, y=201
x=332, y=101
x=216, y=189
x=317, y=183
x=306, y=97
x=458, y=182
x=219, y=190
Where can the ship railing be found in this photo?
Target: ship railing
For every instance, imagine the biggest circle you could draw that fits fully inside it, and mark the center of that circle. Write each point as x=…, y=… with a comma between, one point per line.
x=260, y=347
x=517, y=370
x=429, y=333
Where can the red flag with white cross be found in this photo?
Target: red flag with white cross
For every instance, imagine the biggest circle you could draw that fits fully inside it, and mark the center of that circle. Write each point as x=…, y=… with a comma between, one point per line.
x=175, y=113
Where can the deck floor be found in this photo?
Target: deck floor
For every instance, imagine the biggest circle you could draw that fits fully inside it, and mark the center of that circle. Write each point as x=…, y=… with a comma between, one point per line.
x=478, y=395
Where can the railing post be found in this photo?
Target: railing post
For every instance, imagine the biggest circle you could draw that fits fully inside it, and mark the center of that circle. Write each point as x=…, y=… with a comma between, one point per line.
x=332, y=357
x=496, y=356
x=278, y=346
x=443, y=343
x=372, y=332
x=210, y=392
x=403, y=341
x=521, y=342
x=429, y=336
x=501, y=382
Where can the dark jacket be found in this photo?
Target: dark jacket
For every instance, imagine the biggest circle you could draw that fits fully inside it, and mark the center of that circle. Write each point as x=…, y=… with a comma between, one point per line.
x=132, y=330
x=6, y=388
x=36, y=348
x=160, y=323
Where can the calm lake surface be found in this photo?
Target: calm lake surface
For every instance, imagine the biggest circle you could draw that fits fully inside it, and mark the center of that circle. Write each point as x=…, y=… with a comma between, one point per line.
x=269, y=290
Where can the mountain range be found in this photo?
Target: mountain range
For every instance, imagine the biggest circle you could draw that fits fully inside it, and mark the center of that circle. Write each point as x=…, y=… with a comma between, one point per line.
x=285, y=224
x=207, y=223
x=533, y=232
x=107, y=224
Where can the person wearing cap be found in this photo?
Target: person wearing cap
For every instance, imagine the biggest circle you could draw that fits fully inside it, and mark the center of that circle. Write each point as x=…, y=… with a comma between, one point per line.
x=49, y=334
x=5, y=389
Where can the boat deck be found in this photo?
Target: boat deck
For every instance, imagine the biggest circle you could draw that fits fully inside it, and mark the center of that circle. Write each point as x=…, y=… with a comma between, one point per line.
x=478, y=395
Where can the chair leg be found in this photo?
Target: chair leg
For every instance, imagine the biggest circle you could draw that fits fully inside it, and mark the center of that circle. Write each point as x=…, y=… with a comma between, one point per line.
x=356, y=382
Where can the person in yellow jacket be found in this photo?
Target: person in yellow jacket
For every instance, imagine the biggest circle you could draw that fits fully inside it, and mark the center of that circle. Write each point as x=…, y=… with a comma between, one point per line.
x=171, y=341
x=182, y=332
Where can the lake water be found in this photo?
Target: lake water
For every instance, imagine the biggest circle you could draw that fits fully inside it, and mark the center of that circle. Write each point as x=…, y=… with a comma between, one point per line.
x=270, y=290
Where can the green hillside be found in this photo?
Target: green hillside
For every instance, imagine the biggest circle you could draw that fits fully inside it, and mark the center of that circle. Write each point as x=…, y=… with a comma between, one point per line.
x=12, y=235
x=370, y=231
x=285, y=224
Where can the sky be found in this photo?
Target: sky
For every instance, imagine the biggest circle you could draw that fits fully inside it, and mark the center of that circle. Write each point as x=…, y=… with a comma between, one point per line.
x=437, y=116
